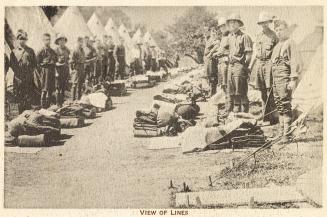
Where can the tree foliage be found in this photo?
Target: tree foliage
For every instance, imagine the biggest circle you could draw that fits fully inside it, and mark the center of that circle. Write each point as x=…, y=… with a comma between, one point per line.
x=188, y=31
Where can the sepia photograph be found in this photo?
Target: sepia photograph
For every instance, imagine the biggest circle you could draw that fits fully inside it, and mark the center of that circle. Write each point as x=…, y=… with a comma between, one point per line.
x=174, y=108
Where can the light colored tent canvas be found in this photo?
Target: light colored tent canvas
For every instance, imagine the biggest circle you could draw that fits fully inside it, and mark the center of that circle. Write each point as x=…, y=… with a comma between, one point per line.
x=96, y=27
x=308, y=95
x=33, y=21
x=72, y=25
x=112, y=31
x=137, y=37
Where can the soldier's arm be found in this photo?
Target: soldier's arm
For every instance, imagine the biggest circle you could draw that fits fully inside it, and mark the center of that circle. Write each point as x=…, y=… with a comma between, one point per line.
x=248, y=48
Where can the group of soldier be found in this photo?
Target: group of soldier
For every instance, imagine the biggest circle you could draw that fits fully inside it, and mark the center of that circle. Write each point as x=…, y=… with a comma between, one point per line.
x=91, y=62
x=231, y=58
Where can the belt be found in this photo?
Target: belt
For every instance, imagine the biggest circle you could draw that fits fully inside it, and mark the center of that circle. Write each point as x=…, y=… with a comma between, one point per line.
x=263, y=59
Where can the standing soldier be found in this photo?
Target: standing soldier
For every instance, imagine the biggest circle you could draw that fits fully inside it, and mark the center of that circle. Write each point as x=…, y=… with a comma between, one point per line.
x=154, y=55
x=120, y=57
x=62, y=68
x=46, y=60
x=90, y=58
x=98, y=73
x=212, y=71
x=77, y=60
x=285, y=71
x=240, y=45
x=263, y=47
x=105, y=57
x=222, y=55
x=147, y=57
x=111, y=59
x=23, y=64
x=162, y=60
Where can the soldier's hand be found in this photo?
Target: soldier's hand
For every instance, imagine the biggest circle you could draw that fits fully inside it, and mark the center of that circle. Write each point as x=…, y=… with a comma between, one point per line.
x=291, y=85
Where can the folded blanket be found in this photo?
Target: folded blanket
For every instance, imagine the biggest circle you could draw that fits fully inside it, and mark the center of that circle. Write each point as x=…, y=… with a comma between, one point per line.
x=34, y=141
x=72, y=122
x=146, y=133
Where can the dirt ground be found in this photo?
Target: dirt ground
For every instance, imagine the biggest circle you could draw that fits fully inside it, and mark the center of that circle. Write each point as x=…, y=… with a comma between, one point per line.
x=103, y=166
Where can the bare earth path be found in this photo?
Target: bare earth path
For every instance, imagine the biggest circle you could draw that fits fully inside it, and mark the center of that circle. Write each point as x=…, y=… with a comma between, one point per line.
x=103, y=165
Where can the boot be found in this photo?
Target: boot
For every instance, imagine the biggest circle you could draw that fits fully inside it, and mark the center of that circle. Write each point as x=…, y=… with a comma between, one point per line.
x=74, y=93
x=246, y=108
x=287, y=124
x=58, y=99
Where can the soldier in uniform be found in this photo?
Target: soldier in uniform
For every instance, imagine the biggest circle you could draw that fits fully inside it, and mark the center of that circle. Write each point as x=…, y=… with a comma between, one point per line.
x=90, y=58
x=120, y=58
x=263, y=47
x=105, y=57
x=98, y=72
x=240, y=52
x=154, y=55
x=23, y=63
x=111, y=59
x=212, y=46
x=147, y=57
x=62, y=68
x=162, y=60
x=77, y=60
x=46, y=61
x=286, y=67
x=222, y=56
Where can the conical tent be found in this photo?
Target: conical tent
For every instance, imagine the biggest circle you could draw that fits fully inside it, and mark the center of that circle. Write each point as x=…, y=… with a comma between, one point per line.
x=33, y=21
x=96, y=27
x=72, y=25
x=137, y=37
x=112, y=30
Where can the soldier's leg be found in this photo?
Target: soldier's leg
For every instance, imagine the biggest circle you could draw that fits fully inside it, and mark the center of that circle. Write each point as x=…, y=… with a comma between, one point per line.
x=74, y=88
x=230, y=91
x=48, y=98
x=43, y=99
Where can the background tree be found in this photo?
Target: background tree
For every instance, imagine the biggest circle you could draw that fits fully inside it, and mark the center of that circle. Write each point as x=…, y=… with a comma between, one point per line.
x=189, y=29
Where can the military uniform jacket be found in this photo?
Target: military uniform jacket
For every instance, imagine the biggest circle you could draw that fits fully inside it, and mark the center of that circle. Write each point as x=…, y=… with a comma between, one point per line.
x=264, y=44
x=23, y=63
x=239, y=44
x=223, y=50
x=90, y=53
x=46, y=60
x=119, y=52
x=63, y=55
x=285, y=53
x=77, y=59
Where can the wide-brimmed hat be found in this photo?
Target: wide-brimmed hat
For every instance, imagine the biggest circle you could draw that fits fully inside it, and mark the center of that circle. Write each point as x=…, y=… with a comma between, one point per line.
x=60, y=36
x=236, y=17
x=221, y=21
x=264, y=17
x=21, y=34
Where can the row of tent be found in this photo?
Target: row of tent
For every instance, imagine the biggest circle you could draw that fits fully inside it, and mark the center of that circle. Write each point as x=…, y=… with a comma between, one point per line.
x=72, y=25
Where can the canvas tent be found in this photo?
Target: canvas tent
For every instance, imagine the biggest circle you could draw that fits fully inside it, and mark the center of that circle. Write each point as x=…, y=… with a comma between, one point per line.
x=308, y=95
x=96, y=27
x=112, y=30
x=30, y=19
x=72, y=25
x=137, y=37
x=309, y=45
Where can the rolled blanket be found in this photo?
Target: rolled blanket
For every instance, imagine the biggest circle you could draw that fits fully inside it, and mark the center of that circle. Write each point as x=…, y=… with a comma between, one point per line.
x=34, y=141
x=72, y=122
x=187, y=111
x=146, y=133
